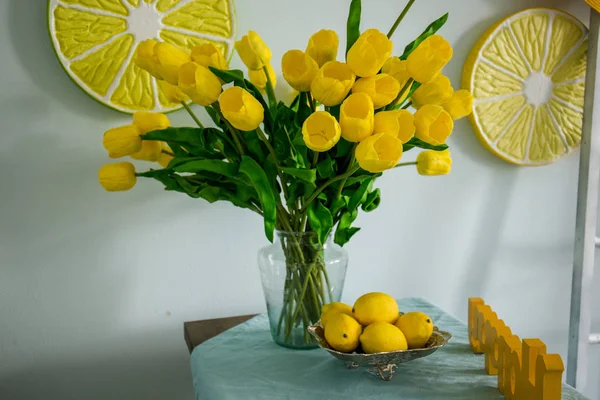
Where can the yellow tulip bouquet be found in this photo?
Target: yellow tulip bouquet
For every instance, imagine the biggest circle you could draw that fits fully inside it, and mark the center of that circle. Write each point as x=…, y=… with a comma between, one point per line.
x=308, y=166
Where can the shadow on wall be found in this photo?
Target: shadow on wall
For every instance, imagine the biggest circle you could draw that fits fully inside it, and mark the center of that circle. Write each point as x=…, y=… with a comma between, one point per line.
x=28, y=28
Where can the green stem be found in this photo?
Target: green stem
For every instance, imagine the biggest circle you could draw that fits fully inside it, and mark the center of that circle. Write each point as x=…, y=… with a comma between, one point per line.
x=400, y=18
x=232, y=130
x=270, y=90
x=345, y=175
x=315, y=159
x=407, y=85
x=264, y=139
x=404, y=107
x=189, y=110
x=350, y=165
x=405, y=164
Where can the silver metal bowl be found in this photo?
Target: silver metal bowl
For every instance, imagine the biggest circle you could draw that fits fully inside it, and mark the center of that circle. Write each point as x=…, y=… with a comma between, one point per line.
x=382, y=364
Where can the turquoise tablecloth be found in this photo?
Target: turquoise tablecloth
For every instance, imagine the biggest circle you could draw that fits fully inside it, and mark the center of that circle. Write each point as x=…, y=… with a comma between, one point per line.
x=244, y=363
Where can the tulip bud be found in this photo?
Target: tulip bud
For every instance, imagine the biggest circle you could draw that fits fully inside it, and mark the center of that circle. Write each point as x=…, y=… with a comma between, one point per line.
x=171, y=93
x=435, y=92
x=433, y=124
x=117, y=177
x=428, y=59
x=122, y=141
x=459, y=105
x=332, y=83
x=368, y=54
x=259, y=79
x=399, y=123
x=199, y=83
x=150, y=151
x=379, y=152
x=381, y=88
x=431, y=162
x=241, y=109
x=253, y=51
x=161, y=60
x=321, y=131
x=208, y=55
x=323, y=46
x=299, y=70
x=357, y=117
x=150, y=121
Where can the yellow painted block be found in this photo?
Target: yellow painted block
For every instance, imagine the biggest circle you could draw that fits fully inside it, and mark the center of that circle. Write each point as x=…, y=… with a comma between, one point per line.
x=525, y=371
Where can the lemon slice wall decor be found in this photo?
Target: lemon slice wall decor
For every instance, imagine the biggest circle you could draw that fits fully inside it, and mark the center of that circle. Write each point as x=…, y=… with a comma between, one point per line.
x=527, y=75
x=95, y=41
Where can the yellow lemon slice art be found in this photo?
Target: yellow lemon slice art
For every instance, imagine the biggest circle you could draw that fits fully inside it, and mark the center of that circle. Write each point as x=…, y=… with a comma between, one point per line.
x=95, y=41
x=527, y=75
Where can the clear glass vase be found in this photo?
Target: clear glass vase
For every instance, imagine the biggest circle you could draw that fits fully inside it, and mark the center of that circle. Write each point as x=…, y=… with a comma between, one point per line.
x=299, y=275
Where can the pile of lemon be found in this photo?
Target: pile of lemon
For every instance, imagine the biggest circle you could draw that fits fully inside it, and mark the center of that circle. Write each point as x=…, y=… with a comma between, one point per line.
x=375, y=324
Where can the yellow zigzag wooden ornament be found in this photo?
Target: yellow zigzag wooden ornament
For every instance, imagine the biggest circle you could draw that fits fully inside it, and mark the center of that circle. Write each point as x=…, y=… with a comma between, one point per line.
x=525, y=371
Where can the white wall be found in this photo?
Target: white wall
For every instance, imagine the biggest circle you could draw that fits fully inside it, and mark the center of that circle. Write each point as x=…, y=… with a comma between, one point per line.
x=94, y=287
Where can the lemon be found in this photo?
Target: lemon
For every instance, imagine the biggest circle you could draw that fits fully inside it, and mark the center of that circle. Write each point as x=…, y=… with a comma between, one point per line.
x=417, y=328
x=375, y=307
x=382, y=337
x=527, y=76
x=332, y=308
x=342, y=332
x=95, y=41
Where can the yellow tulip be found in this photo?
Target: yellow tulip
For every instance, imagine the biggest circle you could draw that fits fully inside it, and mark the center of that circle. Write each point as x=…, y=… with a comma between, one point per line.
x=253, y=51
x=259, y=79
x=332, y=83
x=117, y=177
x=427, y=60
x=431, y=162
x=379, y=152
x=168, y=60
x=122, y=141
x=368, y=54
x=459, y=105
x=321, y=131
x=399, y=123
x=435, y=92
x=150, y=121
x=381, y=88
x=241, y=109
x=357, y=117
x=145, y=58
x=433, y=124
x=150, y=151
x=199, y=83
x=299, y=70
x=164, y=159
x=172, y=93
x=323, y=46
x=208, y=55
x=396, y=67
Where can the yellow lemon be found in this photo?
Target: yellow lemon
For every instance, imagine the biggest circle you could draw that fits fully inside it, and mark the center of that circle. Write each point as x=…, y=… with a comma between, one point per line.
x=328, y=310
x=375, y=307
x=526, y=74
x=95, y=41
x=382, y=337
x=417, y=328
x=342, y=332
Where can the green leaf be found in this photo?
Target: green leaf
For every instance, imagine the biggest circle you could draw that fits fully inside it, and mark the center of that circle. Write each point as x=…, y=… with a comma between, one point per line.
x=343, y=148
x=414, y=142
x=228, y=76
x=344, y=230
x=217, y=166
x=430, y=30
x=304, y=110
x=325, y=167
x=190, y=139
x=353, y=24
x=335, y=111
x=359, y=195
x=301, y=150
x=271, y=171
x=214, y=115
x=256, y=147
x=260, y=181
x=372, y=201
x=337, y=204
x=307, y=175
x=320, y=220
x=362, y=175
